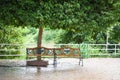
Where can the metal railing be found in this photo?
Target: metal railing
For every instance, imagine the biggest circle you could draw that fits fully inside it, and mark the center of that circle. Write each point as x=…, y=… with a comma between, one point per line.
x=89, y=50
x=15, y=51
x=100, y=49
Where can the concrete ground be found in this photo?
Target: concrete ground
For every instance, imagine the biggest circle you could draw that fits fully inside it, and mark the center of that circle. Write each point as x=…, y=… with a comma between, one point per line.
x=67, y=69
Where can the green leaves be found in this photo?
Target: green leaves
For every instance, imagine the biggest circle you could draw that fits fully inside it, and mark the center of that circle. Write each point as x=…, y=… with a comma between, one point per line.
x=10, y=34
x=72, y=15
x=17, y=12
x=57, y=13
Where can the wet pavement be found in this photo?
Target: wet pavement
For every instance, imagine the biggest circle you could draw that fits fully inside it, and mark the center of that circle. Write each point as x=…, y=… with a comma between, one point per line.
x=67, y=69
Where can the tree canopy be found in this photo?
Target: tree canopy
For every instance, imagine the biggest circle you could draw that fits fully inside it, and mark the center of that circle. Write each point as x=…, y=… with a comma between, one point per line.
x=84, y=17
x=76, y=15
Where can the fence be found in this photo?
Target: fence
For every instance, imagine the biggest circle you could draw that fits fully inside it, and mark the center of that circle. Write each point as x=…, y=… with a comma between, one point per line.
x=17, y=51
x=14, y=51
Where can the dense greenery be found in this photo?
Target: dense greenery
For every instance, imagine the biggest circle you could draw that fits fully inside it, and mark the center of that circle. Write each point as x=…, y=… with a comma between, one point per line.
x=29, y=35
x=114, y=35
x=99, y=37
x=81, y=20
x=11, y=37
x=9, y=34
x=75, y=15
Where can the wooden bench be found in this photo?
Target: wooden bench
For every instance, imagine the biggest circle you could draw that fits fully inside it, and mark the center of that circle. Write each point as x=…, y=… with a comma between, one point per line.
x=43, y=52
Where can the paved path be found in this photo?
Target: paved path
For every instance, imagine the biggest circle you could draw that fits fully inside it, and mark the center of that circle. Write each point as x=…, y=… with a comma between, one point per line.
x=67, y=69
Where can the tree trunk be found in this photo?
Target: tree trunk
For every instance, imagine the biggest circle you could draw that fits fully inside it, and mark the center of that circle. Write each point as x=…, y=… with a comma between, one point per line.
x=39, y=42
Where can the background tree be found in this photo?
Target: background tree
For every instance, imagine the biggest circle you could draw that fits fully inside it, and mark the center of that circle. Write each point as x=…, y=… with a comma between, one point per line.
x=10, y=34
x=79, y=16
x=114, y=35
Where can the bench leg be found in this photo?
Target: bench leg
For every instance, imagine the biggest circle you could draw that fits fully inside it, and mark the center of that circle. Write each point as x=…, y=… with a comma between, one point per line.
x=55, y=59
x=81, y=61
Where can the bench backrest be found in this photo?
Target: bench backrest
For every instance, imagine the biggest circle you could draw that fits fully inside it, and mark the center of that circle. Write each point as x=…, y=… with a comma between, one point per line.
x=62, y=52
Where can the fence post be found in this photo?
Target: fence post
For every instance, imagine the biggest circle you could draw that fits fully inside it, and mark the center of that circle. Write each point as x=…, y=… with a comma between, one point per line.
x=115, y=49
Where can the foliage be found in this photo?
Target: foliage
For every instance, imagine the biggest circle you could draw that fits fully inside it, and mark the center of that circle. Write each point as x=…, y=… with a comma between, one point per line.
x=69, y=37
x=74, y=15
x=9, y=34
x=28, y=35
x=84, y=20
x=80, y=18
x=14, y=36
x=18, y=12
x=49, y=35
x=114, y=35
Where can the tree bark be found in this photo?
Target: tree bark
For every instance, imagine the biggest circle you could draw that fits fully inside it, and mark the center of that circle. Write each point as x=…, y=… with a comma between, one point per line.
x=39, y=42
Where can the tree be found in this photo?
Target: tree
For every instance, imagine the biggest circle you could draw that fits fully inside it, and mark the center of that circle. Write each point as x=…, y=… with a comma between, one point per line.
x=72, y=15
x=11, y=35
x=114, y=35
x=76, y=15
